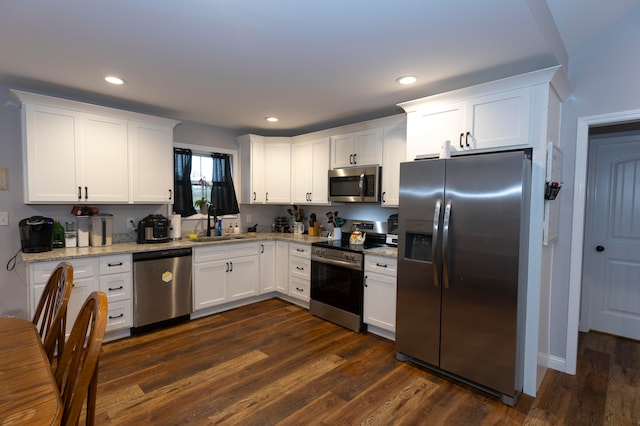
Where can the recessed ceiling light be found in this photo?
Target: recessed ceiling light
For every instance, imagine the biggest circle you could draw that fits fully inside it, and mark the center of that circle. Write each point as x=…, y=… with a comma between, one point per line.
x=114, y=80
x=272, y=119
x=407, y=79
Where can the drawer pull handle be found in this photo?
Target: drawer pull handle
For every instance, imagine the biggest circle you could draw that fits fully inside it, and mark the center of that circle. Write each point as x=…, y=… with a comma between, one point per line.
x=382, y=265
x=299, y=289
x=299, y=268
x=116, y=288
x=114, y=264
x=116, y=316
x=300, y=250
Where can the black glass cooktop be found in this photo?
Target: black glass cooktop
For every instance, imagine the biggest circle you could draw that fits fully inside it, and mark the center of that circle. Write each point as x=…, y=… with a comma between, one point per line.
x=343, y=244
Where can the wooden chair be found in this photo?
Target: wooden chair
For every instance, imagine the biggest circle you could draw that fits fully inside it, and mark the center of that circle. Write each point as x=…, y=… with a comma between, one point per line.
x=51, y=314
x=77, y=368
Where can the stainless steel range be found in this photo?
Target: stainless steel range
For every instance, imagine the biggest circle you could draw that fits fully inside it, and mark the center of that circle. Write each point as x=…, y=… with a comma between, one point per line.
x=337, y=275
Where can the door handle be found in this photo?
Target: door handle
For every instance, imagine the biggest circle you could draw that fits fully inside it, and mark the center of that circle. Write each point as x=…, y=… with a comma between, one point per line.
x=599, y=248
x=231, y=268
x=365, y=281
x=266, y=197
x=466, y=139
x=227, y=267
x=261, y=248
x=460, y=140
x=355, y=158
x=170, y=194
x=79, y=193
x=350, y=158
x=434, y=243
x=445, y=243
x=86, y=192
x=384, y=193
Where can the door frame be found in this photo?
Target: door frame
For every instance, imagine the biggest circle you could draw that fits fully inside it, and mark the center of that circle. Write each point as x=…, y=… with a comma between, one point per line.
x=577, y=230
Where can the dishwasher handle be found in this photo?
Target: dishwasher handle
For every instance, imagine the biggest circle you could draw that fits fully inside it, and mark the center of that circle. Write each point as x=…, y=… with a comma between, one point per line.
x=161, y=254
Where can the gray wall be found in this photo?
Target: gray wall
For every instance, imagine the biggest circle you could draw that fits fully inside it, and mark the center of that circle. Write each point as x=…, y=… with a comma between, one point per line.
x=604, y=77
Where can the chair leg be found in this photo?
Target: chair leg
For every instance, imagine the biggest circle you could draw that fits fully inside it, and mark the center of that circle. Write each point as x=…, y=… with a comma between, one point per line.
x=91, y=397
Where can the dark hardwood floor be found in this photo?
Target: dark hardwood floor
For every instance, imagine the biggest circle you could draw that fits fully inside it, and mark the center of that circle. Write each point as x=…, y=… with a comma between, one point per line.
x=273, y=363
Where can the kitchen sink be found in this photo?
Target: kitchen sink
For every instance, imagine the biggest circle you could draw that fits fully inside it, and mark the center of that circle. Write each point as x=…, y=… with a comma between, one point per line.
x=212, y=238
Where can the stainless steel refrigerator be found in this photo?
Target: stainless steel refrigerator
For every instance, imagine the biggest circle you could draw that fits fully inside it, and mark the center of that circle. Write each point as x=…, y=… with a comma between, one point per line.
x=462, y=267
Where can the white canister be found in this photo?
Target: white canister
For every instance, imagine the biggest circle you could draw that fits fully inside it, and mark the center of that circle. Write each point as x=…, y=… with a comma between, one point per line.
x=83, y=231
x=337, y=233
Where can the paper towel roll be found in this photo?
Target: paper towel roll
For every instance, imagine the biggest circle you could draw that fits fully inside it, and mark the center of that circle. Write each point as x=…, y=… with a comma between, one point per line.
x=176, y=227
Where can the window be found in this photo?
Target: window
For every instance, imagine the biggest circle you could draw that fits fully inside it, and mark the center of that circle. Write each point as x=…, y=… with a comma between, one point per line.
x=201, y=175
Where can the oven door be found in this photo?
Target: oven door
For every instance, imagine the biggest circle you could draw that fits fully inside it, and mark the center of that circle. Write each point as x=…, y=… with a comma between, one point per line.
x=337, y=285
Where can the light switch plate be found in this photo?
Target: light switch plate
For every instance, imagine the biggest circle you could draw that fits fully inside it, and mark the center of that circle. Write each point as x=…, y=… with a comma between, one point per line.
x=3, y=178
x=4, y=218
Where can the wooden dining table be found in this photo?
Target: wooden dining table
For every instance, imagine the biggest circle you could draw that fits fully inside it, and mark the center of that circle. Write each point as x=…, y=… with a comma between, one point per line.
x=28, y=391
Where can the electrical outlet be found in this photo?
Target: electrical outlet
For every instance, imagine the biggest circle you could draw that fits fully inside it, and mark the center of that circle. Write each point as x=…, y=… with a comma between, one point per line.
x=4, y=218
x=131, y=224
x=248, y=217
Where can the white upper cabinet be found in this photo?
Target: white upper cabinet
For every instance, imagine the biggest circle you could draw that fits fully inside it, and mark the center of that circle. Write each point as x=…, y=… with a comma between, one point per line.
x=266, y=169
x=393, y=153
x=361, y=148
x=77, y=153
x=151, y=163
x=481, y=123
x=309, y=165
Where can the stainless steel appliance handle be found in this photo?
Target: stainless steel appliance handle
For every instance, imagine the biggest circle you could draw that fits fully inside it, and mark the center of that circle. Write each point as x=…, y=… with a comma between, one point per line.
x=334, y=262
x=434, y=243
x=361, y=185
x=445, y=243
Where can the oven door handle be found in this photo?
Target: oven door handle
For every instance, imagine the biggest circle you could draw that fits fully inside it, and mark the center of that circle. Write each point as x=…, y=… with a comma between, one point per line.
x=334, y=262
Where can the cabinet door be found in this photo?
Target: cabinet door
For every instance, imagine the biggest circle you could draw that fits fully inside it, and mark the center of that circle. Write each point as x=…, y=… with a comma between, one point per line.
x=380, y=301
x=342, y=149
x=429, y=128
x=277, y=172
x=242, y=277
x=267, y=266
x=50, y=139
x=209, y=284
x=393, y=153
x=499, y=120
x=321, y=162
x=282, y=267
x=258, y=184
x=151, y=163
x=104, y=159
x=301, y=172
x=368, y=147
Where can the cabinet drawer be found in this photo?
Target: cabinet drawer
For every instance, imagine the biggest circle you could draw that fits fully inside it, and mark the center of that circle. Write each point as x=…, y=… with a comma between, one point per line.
x=381, y=265
x=299, y=288
x=300, y=250
x=120, y=315
x=224, y=251
x=299, y=267
x=117, y=286
x=115, y=264
x=82, y=268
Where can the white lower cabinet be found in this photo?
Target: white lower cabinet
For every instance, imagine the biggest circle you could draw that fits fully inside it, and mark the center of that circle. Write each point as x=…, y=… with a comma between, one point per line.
x=300, y=271
x=116, y=281
x=267, y=266
x=224, y=273
x=282, y=267
x=380, y=293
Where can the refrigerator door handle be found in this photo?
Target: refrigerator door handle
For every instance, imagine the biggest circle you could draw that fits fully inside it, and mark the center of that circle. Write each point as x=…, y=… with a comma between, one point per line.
x=434, y=243
x=445, y=243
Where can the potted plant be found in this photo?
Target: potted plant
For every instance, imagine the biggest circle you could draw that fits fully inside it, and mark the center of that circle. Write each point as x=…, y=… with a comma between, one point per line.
x=201, y=204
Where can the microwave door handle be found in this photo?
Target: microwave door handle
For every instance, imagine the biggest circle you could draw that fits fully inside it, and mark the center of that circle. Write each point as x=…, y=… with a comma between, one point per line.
x=446, y=267
x=361, y=185
x=434, y=243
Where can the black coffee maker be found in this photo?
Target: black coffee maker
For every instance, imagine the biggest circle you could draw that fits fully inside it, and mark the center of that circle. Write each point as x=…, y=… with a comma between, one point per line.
x=36, y=234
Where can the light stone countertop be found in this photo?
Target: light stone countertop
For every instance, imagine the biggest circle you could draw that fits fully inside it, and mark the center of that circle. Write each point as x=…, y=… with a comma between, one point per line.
x=132, y=247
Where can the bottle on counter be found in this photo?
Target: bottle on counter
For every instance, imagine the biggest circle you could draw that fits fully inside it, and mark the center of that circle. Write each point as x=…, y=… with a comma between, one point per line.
x=58, y=234
x=236, y=229
x=219, y=228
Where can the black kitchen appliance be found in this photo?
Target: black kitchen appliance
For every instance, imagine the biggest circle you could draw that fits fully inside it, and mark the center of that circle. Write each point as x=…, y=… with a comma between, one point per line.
x=337, y=274
x=36, y=234
x=153, y=229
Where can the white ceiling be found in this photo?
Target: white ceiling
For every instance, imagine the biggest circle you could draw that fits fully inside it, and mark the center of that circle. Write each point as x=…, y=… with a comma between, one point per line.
x=313, y=63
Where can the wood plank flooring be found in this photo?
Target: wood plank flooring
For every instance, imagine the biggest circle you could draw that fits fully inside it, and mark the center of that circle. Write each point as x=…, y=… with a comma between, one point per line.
x=273, y=363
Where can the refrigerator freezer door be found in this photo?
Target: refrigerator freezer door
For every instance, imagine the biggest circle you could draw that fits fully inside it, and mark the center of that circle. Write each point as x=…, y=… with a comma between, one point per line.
x=418, y=293
x=479, y=306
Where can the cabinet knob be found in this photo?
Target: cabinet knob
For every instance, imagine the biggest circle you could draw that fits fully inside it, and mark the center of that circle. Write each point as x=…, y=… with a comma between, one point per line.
x=599, y=248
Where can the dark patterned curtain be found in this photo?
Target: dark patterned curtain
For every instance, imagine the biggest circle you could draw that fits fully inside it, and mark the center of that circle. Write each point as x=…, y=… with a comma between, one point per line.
x=183, y=198
x=223, y=194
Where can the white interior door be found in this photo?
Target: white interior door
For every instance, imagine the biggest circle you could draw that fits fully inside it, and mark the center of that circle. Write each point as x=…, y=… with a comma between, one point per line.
x=612, y=249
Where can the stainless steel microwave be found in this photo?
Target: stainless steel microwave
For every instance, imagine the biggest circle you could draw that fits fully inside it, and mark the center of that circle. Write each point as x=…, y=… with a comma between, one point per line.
x=355, y=184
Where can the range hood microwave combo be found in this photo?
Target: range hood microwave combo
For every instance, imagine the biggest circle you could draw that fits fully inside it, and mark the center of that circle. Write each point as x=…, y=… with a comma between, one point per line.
x=355, y=184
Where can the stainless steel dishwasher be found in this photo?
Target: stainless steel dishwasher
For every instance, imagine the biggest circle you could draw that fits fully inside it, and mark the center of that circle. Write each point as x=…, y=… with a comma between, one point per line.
x=161, y=287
